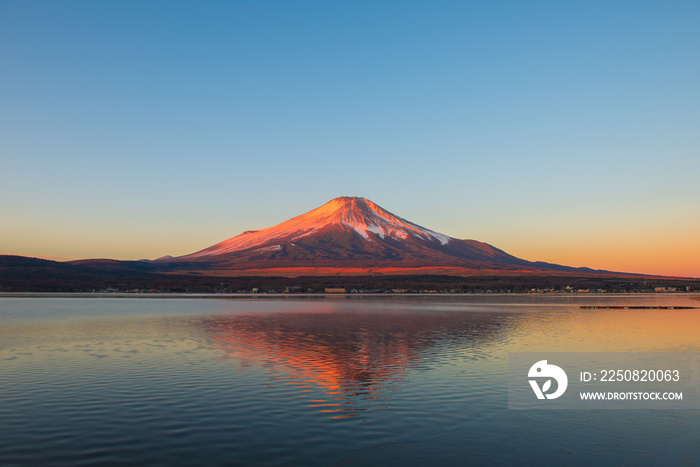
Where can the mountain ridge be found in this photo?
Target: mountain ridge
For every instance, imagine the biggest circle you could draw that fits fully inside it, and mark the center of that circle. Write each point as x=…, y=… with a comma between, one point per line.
x=353, y=213
x=345, y=237
x=347, y=242
x=351, y=233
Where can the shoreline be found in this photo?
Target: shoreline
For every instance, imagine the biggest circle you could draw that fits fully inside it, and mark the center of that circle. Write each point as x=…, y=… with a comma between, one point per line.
x=194, y=295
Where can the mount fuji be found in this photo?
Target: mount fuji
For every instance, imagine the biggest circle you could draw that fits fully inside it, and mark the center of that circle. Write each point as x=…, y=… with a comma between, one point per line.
x=347, y=241
x=352, y=236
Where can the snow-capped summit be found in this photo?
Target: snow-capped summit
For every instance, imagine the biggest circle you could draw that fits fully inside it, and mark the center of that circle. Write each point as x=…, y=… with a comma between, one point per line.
x=351, y=214
x=364, y=217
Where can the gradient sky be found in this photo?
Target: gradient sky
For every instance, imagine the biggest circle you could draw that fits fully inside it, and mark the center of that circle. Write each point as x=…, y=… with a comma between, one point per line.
x=566, y=132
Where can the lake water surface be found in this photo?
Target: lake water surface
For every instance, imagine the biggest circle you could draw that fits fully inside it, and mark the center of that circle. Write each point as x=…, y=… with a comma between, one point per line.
x=383, y=380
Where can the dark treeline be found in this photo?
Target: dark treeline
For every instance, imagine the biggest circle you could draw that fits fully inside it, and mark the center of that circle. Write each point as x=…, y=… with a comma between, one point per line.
x=20, y=274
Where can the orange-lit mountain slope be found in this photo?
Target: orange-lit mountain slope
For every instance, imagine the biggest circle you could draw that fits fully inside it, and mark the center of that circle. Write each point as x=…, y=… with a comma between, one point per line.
x=350, y=236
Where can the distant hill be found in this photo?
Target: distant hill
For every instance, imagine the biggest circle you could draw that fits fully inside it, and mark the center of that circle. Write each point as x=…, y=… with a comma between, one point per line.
x=34, y=274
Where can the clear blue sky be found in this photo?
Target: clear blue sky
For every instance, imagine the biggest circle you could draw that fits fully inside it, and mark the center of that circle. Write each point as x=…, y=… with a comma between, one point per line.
x=559, y=131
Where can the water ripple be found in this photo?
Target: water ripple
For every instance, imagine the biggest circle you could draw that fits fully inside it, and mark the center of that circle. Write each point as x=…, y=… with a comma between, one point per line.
x=308, y=385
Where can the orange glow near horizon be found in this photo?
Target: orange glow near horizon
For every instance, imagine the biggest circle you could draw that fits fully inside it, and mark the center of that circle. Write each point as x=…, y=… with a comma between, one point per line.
x=632, y=245
x=654, y=249
x=668, y=260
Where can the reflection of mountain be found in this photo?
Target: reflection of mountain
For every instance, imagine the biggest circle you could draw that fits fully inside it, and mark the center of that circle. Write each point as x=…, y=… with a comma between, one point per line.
x=352, y=356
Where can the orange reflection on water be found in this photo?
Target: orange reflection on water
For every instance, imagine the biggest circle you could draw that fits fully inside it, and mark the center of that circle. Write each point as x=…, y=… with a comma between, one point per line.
x=343, y=360
x=609, y=330
x=353, y=357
